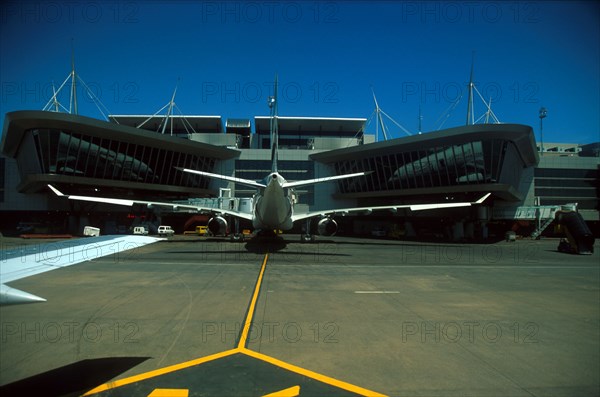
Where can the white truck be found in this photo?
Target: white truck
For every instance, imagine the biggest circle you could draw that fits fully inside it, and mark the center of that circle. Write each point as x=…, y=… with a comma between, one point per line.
x=166, y=231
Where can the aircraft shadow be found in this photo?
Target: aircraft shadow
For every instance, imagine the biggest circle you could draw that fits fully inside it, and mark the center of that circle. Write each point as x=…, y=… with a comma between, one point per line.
x=264, y=245
x=73, y=379
x=256, y=245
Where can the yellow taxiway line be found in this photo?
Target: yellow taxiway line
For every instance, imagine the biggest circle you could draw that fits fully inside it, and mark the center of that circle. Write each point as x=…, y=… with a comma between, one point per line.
x=250, y=315
x=241, y=349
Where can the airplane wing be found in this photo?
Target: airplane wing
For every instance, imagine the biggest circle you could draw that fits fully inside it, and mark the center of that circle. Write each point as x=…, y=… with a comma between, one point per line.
x=173, y=206
x=24, y=261
x=393, y=208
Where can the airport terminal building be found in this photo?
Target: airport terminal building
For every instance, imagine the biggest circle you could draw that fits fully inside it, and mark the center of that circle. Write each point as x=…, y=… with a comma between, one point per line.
x=137, y=156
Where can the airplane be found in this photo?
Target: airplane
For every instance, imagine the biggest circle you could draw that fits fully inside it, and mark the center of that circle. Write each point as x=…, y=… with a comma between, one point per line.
x=273, y=202
x=25, y=261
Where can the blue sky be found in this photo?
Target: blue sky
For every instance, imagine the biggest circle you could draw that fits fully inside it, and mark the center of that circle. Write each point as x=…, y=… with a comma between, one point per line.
x=328, y=55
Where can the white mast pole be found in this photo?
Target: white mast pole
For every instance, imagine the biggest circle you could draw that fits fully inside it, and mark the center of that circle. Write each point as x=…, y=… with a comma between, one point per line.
x=169, y=113
x=470, y=115
x=73, y=80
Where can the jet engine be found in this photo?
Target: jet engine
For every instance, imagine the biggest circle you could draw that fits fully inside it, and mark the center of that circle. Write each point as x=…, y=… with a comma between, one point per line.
x=217, y=225
x=327, y=227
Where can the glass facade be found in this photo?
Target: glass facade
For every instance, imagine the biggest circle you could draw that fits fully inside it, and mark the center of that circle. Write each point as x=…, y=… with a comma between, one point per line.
x=71, y=153
x=474, y=162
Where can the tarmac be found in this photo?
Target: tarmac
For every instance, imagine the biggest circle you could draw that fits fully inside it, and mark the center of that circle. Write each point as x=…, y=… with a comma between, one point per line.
x=193, y=316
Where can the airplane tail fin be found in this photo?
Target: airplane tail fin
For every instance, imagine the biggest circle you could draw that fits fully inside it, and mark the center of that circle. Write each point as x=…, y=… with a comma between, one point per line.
x=274, y=129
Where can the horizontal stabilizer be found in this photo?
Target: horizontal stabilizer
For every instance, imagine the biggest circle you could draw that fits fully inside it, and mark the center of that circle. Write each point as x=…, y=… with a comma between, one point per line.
x=241, y=181
x=13, y=296
x=325, y=179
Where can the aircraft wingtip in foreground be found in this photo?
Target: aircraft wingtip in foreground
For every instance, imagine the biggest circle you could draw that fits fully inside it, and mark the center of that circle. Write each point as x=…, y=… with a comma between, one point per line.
x=31, y=260
x=13, y=296
x=273, y=203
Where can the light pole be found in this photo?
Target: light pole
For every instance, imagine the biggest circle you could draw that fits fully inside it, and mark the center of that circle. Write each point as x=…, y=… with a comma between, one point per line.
x=543, y=112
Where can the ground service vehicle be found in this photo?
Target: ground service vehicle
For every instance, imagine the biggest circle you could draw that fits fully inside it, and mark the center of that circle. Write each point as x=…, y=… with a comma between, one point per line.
x=141, y=230
x=90, y=231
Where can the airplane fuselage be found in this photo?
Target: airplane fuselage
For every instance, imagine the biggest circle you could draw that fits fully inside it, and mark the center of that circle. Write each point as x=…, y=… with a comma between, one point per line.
x=273, y=208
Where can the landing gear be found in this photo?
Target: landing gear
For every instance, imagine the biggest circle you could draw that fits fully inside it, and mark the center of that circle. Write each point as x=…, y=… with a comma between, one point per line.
x=237, y=236
x=306, y=237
